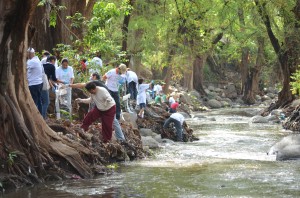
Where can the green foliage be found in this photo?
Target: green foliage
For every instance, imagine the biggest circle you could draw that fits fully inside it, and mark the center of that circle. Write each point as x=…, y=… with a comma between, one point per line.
x=113, y=166
x=11, y=158
x=295, y=84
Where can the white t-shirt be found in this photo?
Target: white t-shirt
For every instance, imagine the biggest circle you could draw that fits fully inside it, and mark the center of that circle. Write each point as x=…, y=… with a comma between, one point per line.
x=34, y=71
x=64, y=75
x=44, y=60
x=157, y=89
x=178, y=117
x=113, y=78
x=171, y=100
x=131, y=76
x=97, y=61
x=141, y=96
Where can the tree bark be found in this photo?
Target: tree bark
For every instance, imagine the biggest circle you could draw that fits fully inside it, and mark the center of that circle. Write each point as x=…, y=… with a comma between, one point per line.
x=251, y=85
x=125, y=33
x=289, y=54
x=198, y=66
x=22, y=127
x=46, y=37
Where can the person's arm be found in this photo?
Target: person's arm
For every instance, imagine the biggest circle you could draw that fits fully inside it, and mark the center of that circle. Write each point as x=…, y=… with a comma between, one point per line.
x=86, y=101
x=104, y=77
x=72, y=76
x=78, y=85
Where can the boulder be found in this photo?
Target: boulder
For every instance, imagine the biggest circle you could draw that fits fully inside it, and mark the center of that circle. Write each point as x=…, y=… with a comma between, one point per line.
x=265, y=97
x=271, y=95
x=230, y=91
x=130, y=118
x=218, y=98
x=259, y=119
x=219, y=90
x=185, y=98
x=214, y=104
x=239, y=101
x=146, y=132
x=228, y=100
x=211, y=88
x=287, y=148
x=150, y=142
x=258, y=97
x=276, y=112
x=225, y=104
x=295, y=103
x=195, y=94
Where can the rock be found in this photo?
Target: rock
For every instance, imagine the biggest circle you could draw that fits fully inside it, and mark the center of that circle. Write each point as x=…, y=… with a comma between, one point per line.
x=258, y=97
x=130, y=118
x=150, y=142
x=295, y=103
x=218, y=98
x=218, y=90
x=167, y=141
x=287, y=148
x=206, y=91
x=259, y=119
x=265, y=97
x=273, y=118
x=239, y=101
x=230, y=91
x=195, y=94
x=214, y=104
x=228, y=100
x=225, y=104
x=146, y=132
x=212, y=119
x=185, y=98
x=271, y=95
x=211, y=88
x=158, y=138
x=276, y=112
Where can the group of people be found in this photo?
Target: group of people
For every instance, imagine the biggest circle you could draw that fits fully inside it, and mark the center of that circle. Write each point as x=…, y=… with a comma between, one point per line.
x=104, y=97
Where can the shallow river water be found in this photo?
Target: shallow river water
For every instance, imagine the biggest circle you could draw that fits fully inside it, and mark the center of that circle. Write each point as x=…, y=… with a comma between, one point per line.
x=229, y=160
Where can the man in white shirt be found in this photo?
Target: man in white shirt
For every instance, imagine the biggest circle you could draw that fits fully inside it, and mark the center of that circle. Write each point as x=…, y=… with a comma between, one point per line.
x=35, y=78
x=178, y=120
x=113, y=79
x=65, y=74
x=132, y=82
x=157, y=89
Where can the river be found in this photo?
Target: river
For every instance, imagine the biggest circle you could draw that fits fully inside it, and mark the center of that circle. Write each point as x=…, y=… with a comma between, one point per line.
x=229, y=160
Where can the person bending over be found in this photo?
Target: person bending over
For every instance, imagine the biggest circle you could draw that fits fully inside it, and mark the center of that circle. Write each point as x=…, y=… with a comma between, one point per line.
x=178, y=120
x=105, y=109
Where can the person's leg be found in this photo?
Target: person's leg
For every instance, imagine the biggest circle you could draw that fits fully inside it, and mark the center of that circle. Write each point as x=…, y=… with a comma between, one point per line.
x=90, y=117
x=167, y=123
x=33, y=91
x=135, y=91
x=118, y=129
x=107, y=118
x=69, y=100
x=178, y=130
x=116, y=97
x=131, y=87
x=39, y=95
x=45, y=102
x=57, y=108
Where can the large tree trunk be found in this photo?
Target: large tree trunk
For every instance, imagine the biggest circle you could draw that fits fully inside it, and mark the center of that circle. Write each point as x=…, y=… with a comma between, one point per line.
x=251, y=85
x=288, y=55
x=46, y=37
x=125, y=32
x=22, y=127
x=198, y=66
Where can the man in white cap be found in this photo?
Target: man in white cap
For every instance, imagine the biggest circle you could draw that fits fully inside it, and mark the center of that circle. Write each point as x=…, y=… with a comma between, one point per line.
x=113, y=79
x=35, y=77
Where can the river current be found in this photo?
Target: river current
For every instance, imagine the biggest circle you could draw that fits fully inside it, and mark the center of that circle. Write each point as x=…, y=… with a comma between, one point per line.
x=229, y=160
